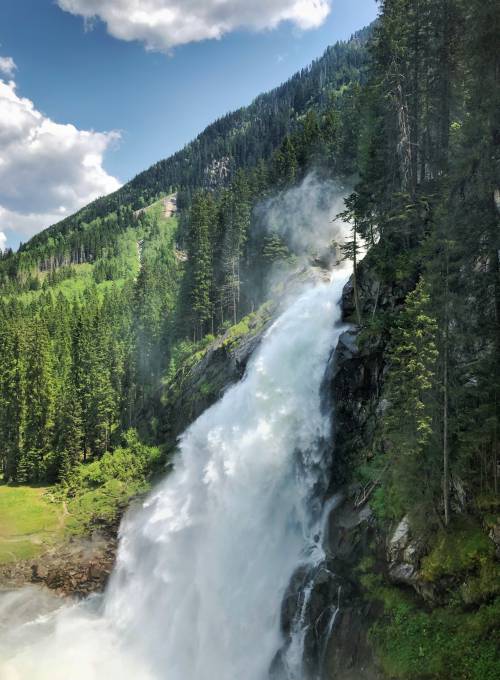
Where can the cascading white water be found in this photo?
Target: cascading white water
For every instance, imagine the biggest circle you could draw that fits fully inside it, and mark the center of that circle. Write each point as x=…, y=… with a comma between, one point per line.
x=204, y=564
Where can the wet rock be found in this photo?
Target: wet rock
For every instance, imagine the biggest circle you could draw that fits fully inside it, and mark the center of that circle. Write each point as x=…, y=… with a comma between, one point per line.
x=494, y=534
x=326, y=603
x=328, y=590
x=399, y=539
x=403, y=555
x=293, y=600
x=348, y=655
x=345, y=651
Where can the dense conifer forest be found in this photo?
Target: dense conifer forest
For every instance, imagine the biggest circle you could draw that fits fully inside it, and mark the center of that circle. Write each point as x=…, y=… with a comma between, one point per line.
x=427, y=203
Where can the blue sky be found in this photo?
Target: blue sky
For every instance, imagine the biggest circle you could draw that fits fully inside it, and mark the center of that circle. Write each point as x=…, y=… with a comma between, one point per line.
x=153, y=101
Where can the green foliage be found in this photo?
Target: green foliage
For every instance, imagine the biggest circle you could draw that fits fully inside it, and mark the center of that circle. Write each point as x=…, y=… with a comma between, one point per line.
x=239, y=330
x=409, y=460
x=412, y=360
x=130, y=464
x=200, y=257
x=458, y=552
x=98, y=492
x=387, y=502
x=444, y=644
x=78, y=359
x=274, y=248
x=251, y=323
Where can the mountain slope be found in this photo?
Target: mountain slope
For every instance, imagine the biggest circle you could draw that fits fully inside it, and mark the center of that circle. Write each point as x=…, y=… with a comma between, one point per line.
x=102, y=309
x=237, y=140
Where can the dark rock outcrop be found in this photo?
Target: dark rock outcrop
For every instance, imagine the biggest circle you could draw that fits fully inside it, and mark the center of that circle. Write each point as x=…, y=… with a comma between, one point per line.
x=347, y=654
x=222, y=365
x=353, y=388
x=327, y=602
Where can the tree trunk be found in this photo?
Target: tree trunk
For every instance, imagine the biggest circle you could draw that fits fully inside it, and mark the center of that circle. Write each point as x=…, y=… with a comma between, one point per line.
x=446, y=461
x=355, y=277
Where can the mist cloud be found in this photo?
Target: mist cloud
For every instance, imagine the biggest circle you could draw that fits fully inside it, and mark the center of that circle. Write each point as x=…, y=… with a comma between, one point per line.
x=305, y=216
x=163, y=24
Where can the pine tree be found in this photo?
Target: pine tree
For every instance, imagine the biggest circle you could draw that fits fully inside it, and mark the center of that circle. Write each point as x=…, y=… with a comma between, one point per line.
x=285, y=164
x=39, y=405
x=202, y=223
x=409, y=428
x=235, y=219
x=70, y=432
x=11, y=398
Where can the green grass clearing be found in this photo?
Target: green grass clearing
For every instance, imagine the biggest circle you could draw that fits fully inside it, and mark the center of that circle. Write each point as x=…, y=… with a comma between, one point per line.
x=29, y=523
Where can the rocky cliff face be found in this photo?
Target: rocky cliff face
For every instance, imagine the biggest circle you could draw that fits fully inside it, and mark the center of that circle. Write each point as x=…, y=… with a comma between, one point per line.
x=375, y=565
x=352, y=391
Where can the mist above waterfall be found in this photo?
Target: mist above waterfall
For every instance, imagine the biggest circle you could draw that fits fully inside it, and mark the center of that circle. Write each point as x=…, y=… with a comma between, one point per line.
x=304, y=216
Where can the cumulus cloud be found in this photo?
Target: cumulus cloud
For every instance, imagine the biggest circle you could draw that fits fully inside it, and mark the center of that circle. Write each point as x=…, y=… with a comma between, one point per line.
x=3, y=241
x=163, y=24
x=7, y=66
x=47, y=170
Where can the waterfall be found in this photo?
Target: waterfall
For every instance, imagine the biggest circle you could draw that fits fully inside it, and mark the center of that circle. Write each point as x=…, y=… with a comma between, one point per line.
x=204, y=564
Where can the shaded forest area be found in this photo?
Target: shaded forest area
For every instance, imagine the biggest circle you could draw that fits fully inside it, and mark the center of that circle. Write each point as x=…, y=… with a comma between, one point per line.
x=429, y=163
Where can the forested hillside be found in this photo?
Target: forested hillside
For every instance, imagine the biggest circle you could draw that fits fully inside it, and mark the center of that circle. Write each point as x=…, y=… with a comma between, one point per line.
x=428, y=301
x=243, y=139
x=99, y=309
x=427, y=204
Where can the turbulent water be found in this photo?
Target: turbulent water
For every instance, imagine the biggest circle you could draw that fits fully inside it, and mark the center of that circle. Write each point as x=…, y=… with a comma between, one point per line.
x=203, y=566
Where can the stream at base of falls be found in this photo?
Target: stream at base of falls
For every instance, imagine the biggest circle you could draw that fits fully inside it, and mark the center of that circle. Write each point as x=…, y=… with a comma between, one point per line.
x=203, y=566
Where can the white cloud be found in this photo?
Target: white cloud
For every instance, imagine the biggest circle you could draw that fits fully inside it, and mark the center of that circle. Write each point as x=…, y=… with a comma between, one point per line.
x=163, y=24
x=7, y=66
x=3, y=241
x=47, y=170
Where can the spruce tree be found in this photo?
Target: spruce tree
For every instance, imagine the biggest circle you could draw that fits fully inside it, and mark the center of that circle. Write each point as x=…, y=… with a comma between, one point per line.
x=39, y=405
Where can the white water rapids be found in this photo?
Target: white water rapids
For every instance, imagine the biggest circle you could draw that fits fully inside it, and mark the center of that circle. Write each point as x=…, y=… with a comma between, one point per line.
x=204, y=564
